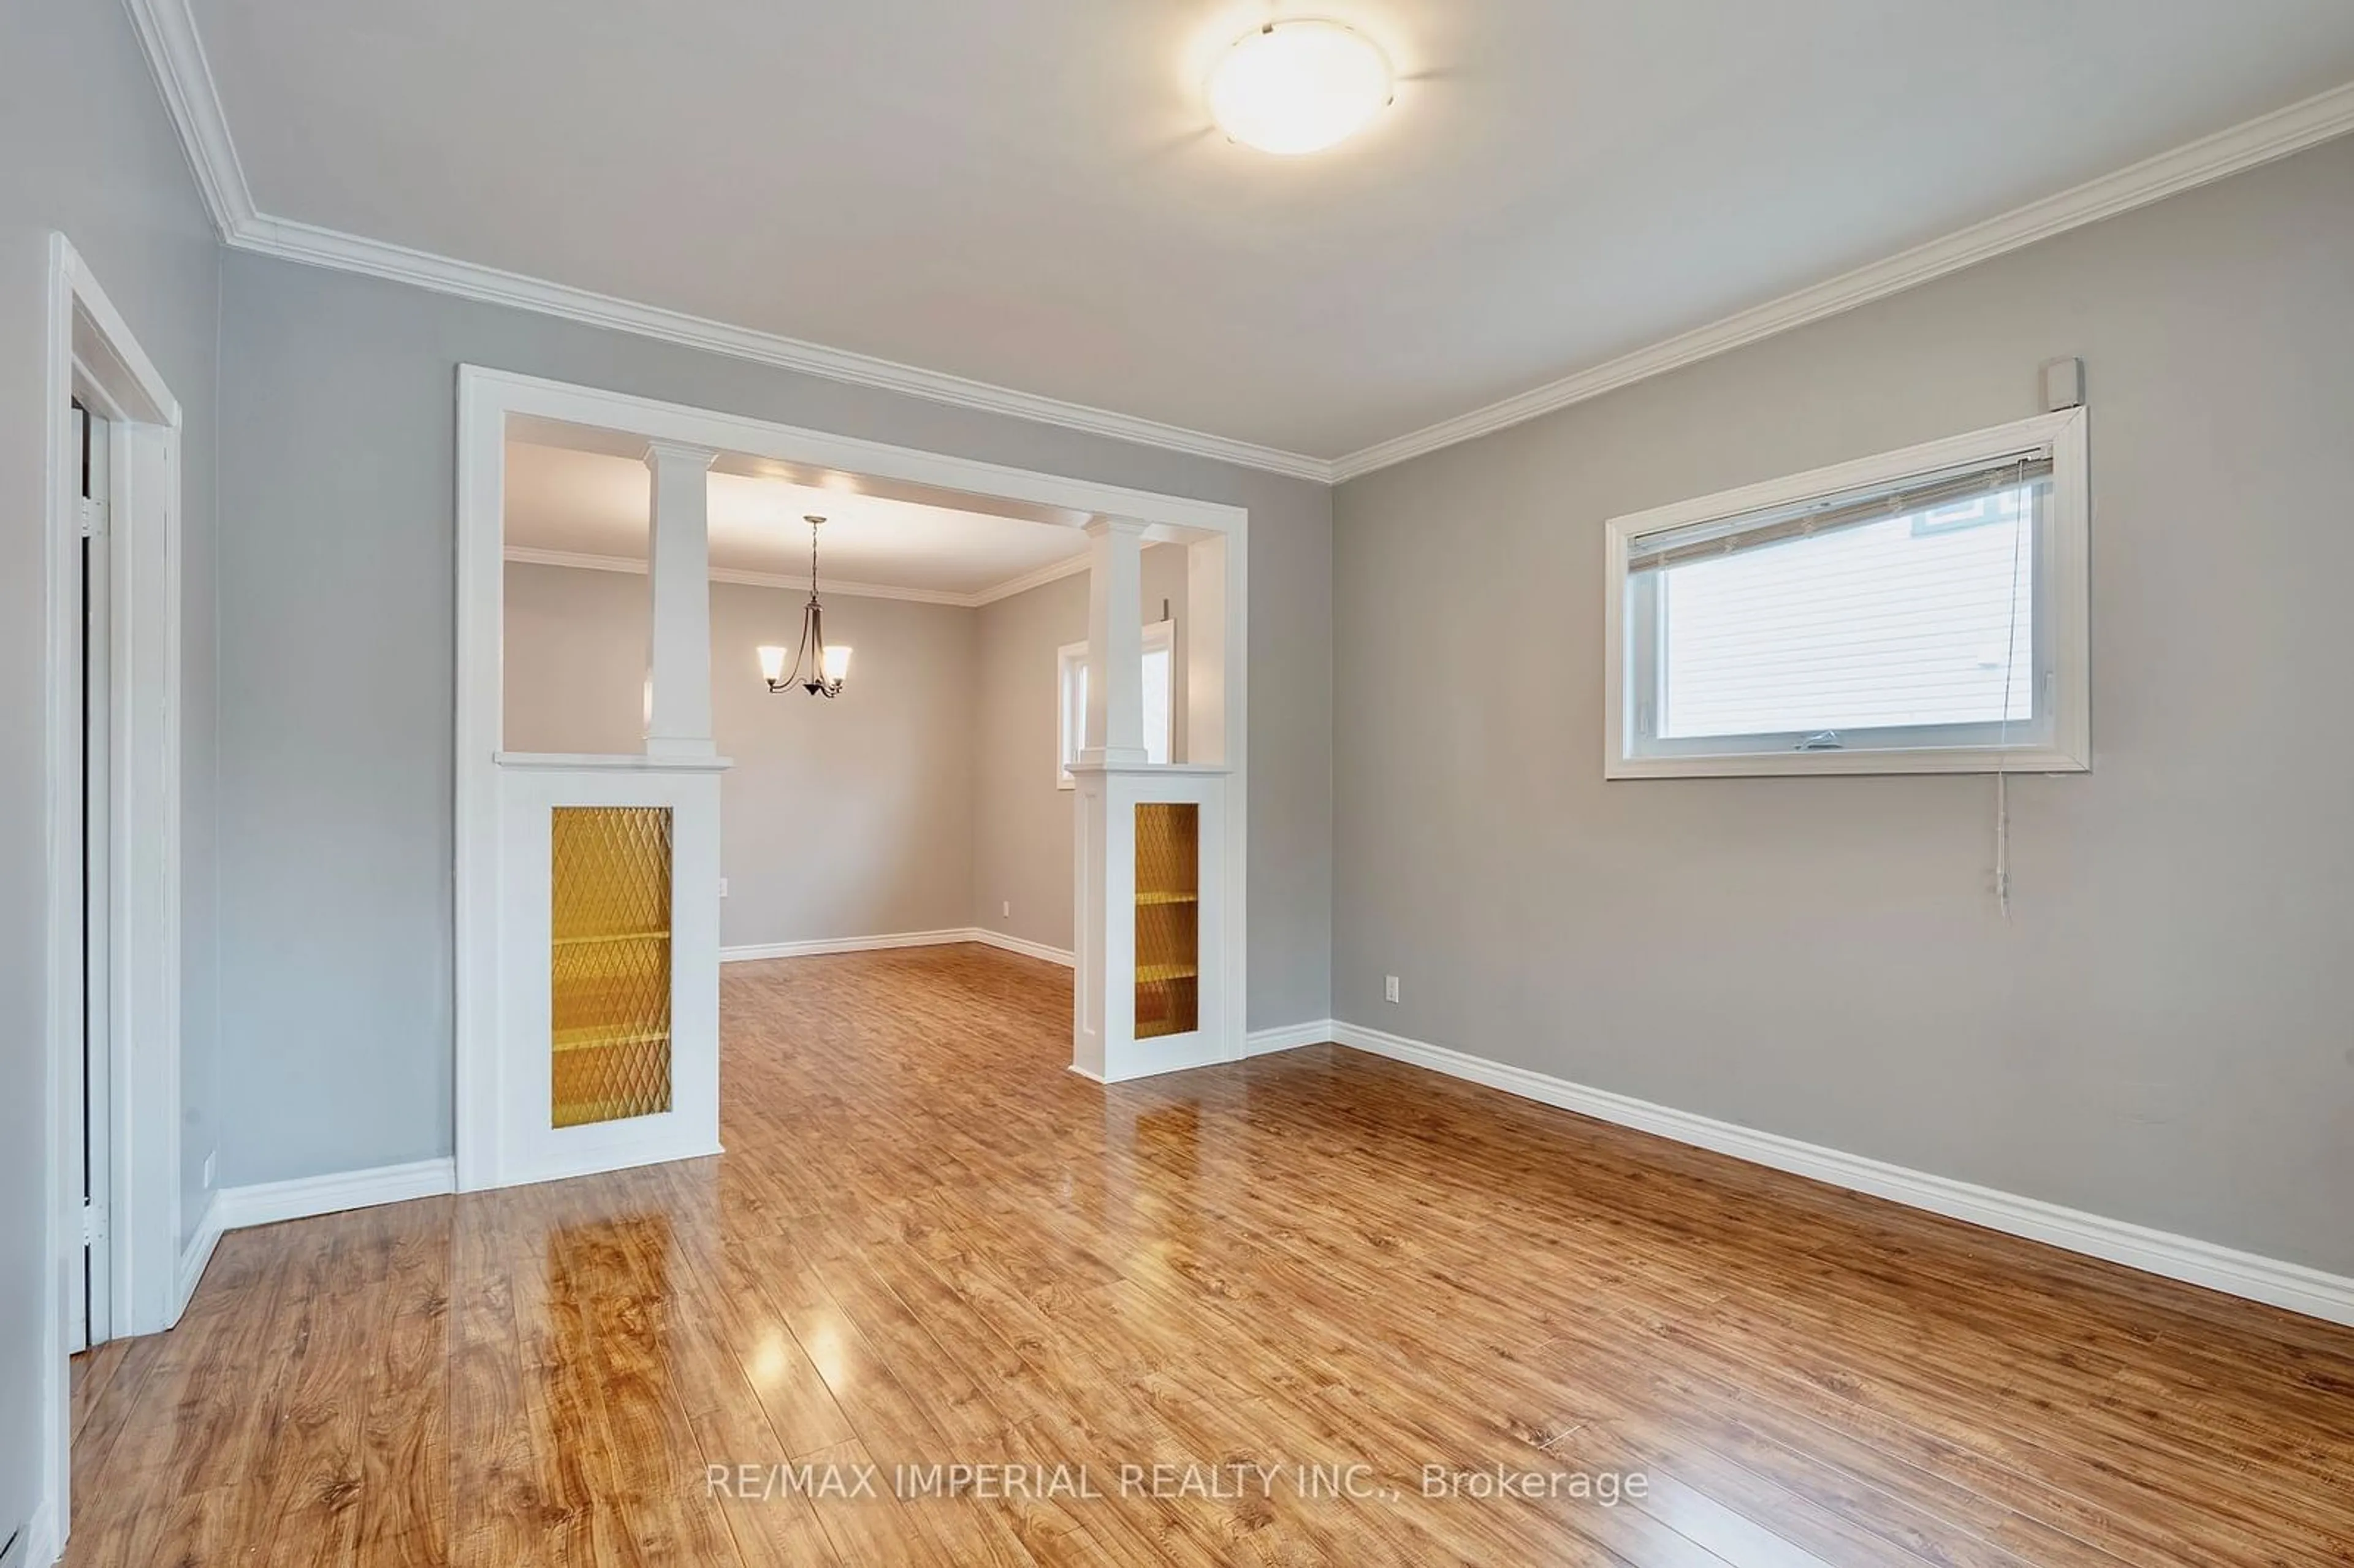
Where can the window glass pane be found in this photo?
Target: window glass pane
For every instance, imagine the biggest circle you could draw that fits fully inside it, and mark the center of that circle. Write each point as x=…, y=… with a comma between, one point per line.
x=1922, y=619
x=1156, y=705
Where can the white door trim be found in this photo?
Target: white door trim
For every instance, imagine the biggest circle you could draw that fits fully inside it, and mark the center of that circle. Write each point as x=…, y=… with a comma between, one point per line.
x=102, y=808
x=91, y=354
x=488, y=400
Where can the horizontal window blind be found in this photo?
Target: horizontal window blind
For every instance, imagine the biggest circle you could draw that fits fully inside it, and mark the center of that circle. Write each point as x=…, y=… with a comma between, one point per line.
x=1831, y=514
x=1871, y=618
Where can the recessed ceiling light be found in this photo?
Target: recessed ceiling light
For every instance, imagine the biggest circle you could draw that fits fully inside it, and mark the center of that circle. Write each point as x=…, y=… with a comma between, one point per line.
x=1298, y=87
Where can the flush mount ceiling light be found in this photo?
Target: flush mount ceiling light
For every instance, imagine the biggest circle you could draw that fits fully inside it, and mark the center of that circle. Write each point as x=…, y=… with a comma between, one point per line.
x=1298, y=87
x=817, y=669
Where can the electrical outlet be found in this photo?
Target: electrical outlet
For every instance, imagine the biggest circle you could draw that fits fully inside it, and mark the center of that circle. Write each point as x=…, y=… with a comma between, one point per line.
x=208, y=1169
x=1389, y=987
x=1008, y=908
x=723, y=887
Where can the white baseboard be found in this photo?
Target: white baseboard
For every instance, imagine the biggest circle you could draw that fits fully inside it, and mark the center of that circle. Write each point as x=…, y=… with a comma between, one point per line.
x=43, y=1543
x=842, y=945
x=895, y=940
x=1020, y=945
x=268, y=1203
x=1289, y=1037
x=2291, y=1286
x=196, y=1255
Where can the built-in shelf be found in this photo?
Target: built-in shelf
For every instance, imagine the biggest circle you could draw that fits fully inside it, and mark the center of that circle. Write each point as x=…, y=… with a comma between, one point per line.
x=1154, y=974
x=609, y=987
x=1168, y=917
x=606, y=1037
x=600, y=937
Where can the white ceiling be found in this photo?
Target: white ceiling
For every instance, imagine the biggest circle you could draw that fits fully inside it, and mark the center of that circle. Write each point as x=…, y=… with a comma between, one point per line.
x=1028, y=193
x=572, y=501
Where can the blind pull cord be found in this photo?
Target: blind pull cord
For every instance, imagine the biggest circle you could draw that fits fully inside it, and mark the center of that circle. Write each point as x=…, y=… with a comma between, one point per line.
x=2009, y=666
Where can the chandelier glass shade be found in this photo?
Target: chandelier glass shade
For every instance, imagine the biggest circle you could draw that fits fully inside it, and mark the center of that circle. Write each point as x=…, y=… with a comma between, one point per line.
x=817, y=669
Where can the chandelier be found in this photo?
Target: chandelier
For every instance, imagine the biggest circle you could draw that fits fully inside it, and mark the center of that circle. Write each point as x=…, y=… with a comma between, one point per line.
x=826, y=667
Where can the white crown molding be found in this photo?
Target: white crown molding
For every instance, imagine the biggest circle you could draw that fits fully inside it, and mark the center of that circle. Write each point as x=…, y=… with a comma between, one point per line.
x=176, y=55
x=318, y=247
x=524, y=555
x=1054, y=571
x=2210, y=158
x=168, y=33
x=2291, y=1286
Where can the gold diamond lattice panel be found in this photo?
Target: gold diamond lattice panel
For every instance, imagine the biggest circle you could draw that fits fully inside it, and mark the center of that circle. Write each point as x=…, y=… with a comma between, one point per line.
x=1168, y=917
x=608, y=893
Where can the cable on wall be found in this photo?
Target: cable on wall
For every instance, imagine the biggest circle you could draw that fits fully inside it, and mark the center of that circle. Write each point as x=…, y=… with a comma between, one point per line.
x=2063, y=387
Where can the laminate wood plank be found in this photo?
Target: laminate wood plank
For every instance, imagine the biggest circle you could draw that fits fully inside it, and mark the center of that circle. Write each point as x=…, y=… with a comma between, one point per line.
x=853, y=1504
x=929, y=1244
x=89, y=1372
x=403, y=1447
x=110, y=1406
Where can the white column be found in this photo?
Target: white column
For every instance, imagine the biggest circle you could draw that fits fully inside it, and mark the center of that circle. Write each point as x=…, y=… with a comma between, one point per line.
x=1205, y=651
x=678, y=559
x=1115, y=734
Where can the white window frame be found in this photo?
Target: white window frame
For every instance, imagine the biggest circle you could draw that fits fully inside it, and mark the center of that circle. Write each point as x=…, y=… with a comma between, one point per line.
x=1070, y=705
x=2058, y=741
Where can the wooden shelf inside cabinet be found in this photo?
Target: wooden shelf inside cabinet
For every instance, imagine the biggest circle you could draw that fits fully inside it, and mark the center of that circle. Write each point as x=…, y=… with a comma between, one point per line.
x=606, y=1037
x=596, y=938
x=1154, y=974
x=1168, y=917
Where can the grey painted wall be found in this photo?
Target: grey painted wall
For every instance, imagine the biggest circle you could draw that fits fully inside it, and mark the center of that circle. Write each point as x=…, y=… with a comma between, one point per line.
x=2163, y=1032
x=92, y=154
x=336, y=668
x=848, y=817
x=1024, y=844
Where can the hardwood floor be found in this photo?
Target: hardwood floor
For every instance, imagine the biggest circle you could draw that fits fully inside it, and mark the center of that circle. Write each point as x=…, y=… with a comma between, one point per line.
x=929, y=1244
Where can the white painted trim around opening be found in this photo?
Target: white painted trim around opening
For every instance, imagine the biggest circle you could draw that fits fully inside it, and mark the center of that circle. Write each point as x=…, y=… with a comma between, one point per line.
x=2290, y=1286
x=91, y=350
x=488, y=398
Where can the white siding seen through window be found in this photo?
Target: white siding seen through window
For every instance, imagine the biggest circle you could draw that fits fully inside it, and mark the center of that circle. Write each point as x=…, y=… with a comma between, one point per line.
x=1926, y=619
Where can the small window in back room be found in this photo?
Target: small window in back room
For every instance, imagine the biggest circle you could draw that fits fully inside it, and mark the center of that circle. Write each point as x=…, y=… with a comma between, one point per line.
x=1921, y=611
x=1160, y=704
